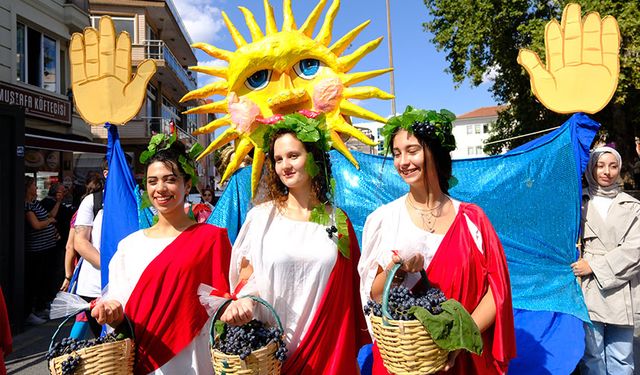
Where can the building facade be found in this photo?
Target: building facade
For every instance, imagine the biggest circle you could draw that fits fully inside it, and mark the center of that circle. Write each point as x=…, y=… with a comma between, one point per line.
x=156, y=33
x=471, y=130
x=371, y=130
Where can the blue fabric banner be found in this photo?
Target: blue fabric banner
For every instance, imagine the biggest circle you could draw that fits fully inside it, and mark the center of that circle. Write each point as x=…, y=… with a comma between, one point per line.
x=120, y=215
x=532, y=196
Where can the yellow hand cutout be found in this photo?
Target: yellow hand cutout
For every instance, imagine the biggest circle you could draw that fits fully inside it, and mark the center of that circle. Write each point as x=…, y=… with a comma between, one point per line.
x=582, y=67
x=103, y=90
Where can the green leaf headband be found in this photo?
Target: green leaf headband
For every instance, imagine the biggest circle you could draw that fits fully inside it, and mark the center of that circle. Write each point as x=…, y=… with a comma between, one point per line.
x=424, y=124
x=160, y=142
x=308, y=126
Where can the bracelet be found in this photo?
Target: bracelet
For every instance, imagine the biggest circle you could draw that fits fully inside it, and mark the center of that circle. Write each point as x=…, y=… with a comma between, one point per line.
x=67, y=278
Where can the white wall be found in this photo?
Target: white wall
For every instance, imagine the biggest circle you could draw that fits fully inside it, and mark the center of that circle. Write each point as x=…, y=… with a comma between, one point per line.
x=470, y=145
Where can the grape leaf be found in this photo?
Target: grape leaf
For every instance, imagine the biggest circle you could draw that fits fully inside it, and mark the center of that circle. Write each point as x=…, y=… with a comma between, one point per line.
x=311, y=166
x=218, y=330
x=319, y=215
x=452, y=329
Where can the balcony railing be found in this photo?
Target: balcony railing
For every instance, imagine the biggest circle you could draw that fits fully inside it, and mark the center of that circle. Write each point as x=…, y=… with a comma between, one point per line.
x=157, y=125
x=157, y=50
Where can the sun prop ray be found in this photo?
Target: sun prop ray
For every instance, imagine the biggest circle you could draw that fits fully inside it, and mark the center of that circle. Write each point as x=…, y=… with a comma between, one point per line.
x=281, y=72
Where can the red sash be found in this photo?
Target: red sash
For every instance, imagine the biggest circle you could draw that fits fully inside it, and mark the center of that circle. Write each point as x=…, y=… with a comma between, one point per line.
x=338, y=329
x=164, y=306
x=465, y=274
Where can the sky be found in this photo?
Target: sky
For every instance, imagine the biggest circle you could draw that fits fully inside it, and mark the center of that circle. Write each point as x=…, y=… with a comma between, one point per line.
x=420, y=77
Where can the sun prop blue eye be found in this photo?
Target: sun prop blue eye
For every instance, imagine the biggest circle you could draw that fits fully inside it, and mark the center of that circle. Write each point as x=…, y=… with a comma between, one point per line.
x=307, y=68
x=258, y=80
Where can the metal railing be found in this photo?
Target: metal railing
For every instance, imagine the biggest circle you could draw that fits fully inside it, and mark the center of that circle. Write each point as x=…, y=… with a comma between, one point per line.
x=157, y=125
x=158, y=50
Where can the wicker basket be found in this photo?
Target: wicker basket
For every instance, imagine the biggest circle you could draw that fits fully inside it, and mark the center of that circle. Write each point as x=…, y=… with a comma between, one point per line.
x=260, y=362
x=110, y=358
x=405, y=346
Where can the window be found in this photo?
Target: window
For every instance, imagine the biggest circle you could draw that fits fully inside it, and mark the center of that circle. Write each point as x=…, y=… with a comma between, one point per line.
x=485, y=128
x=127, y=24
x=479, y=150
x=20, y=55
x=49, y=56
x=478, y=129
x=37, y=59
x=470, y=151
x=469, y=129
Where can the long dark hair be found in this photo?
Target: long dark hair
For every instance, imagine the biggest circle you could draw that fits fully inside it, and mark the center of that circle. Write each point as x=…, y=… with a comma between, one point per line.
x=94, y=183
x=441, y=159
x=276, y=191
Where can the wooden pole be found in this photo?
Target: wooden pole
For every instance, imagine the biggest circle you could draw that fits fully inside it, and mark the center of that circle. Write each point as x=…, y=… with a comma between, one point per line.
x=393, y=88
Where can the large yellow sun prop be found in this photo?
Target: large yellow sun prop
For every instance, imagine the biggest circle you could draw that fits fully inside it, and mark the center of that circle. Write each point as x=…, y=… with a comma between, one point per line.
x=281, y=72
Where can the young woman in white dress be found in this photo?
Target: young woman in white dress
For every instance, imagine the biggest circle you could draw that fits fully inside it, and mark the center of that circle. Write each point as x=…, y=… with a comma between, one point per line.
x=452, y=240
x=155, y=274
x=294, y=263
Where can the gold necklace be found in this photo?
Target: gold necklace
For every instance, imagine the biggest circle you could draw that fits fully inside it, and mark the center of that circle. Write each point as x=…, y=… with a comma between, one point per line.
x=428, y=215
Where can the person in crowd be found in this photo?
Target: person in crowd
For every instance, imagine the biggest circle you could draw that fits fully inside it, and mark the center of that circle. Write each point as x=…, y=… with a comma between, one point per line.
x=54, y=204
x=207, y=197
x=155, y=273
x=94, y=184
x=86, y=241
x=202, y=210
x=453, y=241
x=287, y=256
x=39, y=244
x=609, y=269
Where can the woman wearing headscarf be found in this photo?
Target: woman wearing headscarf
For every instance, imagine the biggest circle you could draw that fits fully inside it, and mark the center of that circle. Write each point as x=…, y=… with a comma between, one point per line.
x=610, y=265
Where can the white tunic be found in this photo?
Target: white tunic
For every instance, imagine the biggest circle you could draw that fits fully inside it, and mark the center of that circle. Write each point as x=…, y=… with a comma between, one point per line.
x=134, y=254
x=292, y=261
x=389, y=228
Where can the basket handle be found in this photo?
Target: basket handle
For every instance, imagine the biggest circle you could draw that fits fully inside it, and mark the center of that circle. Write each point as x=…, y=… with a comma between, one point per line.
x=55, y=334
x=257, y=299
x=387, y=289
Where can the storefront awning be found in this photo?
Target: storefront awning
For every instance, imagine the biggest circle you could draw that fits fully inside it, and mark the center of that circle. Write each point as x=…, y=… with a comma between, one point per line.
x=60, y=144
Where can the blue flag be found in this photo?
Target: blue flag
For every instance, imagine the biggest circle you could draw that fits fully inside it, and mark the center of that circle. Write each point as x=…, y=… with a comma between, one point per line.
x=120, y=207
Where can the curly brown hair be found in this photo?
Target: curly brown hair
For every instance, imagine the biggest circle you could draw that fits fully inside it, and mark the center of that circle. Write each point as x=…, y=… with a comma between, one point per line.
x=272, y=188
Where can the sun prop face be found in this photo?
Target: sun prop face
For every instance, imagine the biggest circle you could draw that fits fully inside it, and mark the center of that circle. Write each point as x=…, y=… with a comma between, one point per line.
x=281, y=72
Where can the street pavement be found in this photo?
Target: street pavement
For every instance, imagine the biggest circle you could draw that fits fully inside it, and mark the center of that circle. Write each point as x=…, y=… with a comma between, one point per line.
x=30, y=347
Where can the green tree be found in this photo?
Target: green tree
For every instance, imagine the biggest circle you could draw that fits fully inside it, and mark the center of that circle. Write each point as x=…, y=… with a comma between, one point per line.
x=482, y=35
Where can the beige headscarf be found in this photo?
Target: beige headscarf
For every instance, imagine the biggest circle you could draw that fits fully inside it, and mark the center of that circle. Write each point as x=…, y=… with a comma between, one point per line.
x=595, y=189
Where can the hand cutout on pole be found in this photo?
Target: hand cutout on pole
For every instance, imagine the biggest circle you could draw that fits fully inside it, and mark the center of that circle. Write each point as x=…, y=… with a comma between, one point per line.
x=103, y=89
x=582, y=63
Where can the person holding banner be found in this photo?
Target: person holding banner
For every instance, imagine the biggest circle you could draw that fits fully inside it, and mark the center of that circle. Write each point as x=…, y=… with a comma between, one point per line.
x=454, y=241
x=299, y=253
x=155, y=273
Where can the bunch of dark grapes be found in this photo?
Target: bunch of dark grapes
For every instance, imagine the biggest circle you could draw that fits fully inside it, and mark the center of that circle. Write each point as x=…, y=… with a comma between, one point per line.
x=401, y=299
x=69, y=365
x=69, y=345
x=242, y=340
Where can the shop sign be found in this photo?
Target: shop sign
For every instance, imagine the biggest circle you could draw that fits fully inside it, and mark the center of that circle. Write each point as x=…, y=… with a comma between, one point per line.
x=36, y=104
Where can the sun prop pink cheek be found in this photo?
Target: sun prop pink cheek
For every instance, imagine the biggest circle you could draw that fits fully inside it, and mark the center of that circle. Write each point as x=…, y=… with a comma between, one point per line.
x=327, y=95
x=243, y=112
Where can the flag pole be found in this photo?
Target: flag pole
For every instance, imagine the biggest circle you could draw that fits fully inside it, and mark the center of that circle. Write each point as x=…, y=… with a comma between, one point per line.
x=389, y=44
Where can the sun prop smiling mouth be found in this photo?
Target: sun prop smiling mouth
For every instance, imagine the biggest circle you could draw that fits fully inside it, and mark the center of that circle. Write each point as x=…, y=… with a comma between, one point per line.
x=281, y=72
